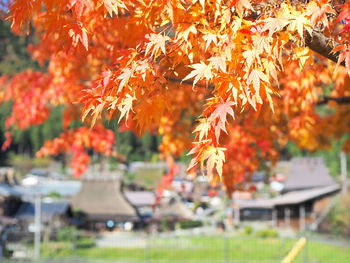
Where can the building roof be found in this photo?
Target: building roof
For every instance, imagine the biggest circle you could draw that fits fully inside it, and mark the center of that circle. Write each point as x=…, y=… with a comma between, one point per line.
x=290, y=198
x=103, y=200
x=256, y=203
x=307, y=173
x=141, y=198
x=297, y=197
x=64, y=188
x=173, y=207
x=9, y=191
x=48, y=210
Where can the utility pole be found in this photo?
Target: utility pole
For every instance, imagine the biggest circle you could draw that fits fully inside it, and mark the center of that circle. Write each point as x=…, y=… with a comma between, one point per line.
x=343, y=173
x=37, y=223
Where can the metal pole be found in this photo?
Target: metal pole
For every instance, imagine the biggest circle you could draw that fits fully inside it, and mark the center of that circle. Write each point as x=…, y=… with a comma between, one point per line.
x=236, y=209
x=287, y=216
x=274, y=217
x=343, y=172
x=302, y=217
x=37, y=223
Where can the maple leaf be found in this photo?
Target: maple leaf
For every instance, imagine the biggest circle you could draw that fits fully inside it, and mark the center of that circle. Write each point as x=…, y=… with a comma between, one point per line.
x=79, y=6
x=114, y=6
x=317, y=11
x=203, y=128
x=244, y=57
x=222, y=110
x=345, y=12
x=303, y=55
x=155, y=43
x=201, y=70
x=218, y=62
x=20, y=12
x=216, y=159
x=273, y=25
x=125, y=106
x=299, y=23
x=255, y=78
x=185, y=33
x=240, y=5
x=127, y=73
x=96, y=112
x=345, y=55
x=78, y=33
x=209, y=38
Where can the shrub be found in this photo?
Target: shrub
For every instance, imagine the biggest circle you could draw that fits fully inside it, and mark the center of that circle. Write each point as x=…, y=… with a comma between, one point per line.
x=66, y=234
x=266, y=233
x=338, y=220
x=190, y=224
x=248, y=230
x=85, y=242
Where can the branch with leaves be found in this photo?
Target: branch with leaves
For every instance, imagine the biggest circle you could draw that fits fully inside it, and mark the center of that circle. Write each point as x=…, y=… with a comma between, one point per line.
x=230, y=81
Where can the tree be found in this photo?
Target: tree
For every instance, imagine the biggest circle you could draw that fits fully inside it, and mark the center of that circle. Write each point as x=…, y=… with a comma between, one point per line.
x=245, y=76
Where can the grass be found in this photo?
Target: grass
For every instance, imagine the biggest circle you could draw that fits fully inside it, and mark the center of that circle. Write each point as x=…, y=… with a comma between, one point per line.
x=213, y=249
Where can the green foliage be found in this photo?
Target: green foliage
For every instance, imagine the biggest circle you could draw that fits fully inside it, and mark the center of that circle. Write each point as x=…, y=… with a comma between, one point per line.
x=54, y=195
x=190, y=224
x=42, y=162
x=56, y=250
x=266, y=233
x=22, y=163
x=338, y=219
x=129, y=178
x=71, y=235
x=85, y=242
x=248, y=230
x=13, y=50
x=66, y=234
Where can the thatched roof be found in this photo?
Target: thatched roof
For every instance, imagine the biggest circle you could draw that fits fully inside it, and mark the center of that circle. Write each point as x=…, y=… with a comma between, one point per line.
x=102, y=199
x=141, y=198
x=306, y=173
x=174, y=208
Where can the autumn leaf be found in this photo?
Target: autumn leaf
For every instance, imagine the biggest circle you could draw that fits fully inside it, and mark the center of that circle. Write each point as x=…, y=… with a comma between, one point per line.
x=240, y=5
x=318, y=10
x=125, y=106
x=155, y=43
x=78, y=33
x=218, y=63
x=202, y=128
x=143, y=58
x=200, y=71
x=113, y=6
x=222, y=110
x=274, y=25
x=124, y=77
x=210, y=38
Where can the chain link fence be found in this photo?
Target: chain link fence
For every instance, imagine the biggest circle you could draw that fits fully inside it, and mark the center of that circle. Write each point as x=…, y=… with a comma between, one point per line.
x=108, y=247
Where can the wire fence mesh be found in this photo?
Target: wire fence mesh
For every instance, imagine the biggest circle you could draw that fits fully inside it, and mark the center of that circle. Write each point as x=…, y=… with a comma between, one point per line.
x=166, y=248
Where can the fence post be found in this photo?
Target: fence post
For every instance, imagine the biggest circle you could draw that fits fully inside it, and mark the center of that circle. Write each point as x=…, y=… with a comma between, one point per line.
x=37, y=223
x=147, y=258
x=226, y=248
x=74, y=241
x=306, y=250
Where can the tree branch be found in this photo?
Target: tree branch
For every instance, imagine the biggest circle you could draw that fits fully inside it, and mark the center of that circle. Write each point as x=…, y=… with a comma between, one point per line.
x=339, y=100
x=322, y=45
x=189, y=82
